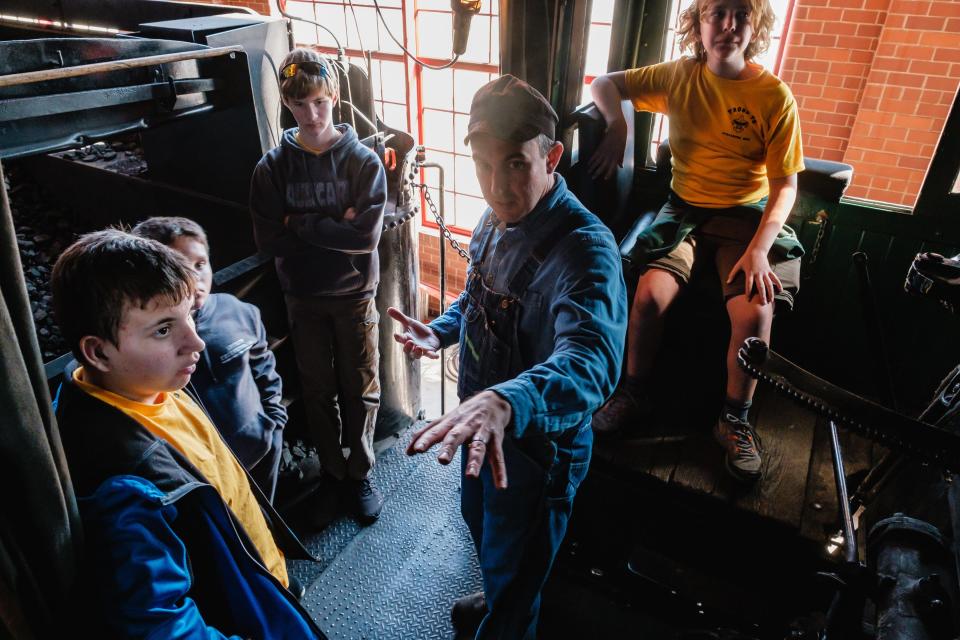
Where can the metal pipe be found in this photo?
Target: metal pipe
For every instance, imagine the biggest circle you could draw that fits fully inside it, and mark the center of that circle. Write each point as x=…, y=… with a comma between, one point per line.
x=44, y=75
x=442, y=283
x=846, y=609
x=345, y=66
x=871, y=316
x=839, y=475
x=373, y=101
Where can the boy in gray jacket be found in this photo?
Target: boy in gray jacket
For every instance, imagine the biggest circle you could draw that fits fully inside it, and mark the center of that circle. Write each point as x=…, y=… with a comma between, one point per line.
x=317, y=203
x=236, y=376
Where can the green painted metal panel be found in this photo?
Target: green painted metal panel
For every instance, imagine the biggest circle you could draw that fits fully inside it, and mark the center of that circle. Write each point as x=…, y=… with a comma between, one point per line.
x=828, y=332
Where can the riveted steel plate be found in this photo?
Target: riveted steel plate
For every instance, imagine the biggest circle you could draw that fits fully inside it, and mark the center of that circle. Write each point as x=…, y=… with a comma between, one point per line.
x=398, y=577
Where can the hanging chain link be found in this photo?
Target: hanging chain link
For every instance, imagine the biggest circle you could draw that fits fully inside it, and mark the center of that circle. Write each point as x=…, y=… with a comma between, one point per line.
x=807, y=267
x=824, y=219
x=443, y=227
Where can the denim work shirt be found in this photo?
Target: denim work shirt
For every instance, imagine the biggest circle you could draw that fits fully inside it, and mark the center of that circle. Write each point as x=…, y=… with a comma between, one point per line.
x=573, y=319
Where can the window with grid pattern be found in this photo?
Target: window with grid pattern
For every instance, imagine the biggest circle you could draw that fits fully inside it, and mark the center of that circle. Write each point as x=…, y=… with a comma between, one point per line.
x=357, y=27
x=445, y=98
x=432, y=104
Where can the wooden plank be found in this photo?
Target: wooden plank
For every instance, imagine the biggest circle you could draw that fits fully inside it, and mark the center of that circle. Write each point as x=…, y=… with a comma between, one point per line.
x=686, y=437
x=688, y=457
x=820, y=517
x=638, y=454
x=786, y=432
x=699, y=466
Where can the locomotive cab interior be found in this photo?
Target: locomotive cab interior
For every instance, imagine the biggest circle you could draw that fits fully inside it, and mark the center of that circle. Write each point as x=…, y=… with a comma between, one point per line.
x=168, y=114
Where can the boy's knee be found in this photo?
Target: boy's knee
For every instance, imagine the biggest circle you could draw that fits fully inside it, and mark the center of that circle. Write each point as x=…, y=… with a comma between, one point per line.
x=750, y=315
x=655, y=291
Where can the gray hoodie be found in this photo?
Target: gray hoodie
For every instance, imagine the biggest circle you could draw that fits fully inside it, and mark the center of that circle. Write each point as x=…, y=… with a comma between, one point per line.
x=318, y=253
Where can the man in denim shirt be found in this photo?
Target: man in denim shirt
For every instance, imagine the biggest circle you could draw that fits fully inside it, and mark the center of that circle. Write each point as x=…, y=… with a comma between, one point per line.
x=541, y=329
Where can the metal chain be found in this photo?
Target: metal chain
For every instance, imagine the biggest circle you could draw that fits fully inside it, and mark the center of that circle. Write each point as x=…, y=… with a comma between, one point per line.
x=443, y=227
x=823, y=218
x=806, y=267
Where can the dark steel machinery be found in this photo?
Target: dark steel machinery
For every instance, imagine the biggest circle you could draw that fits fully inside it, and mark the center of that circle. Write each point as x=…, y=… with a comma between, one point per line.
x=914, y=593
x=399, y=278
x=912, y=568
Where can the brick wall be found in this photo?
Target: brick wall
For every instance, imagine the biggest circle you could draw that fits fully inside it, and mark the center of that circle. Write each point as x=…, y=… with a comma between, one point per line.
x=874, y=81
x=430, y=272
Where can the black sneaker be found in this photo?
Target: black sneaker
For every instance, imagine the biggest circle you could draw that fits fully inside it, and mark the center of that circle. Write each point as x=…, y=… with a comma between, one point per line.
x=467, y=613
x=368, y=501
x=742, y=446
x=297, y=588
x=623, y=411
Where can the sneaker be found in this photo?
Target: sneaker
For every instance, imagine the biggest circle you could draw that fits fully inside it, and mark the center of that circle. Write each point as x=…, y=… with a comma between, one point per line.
x=467, y=613
x=742, y=446
x=624, y=409
x=368, y=501
x=297, y=588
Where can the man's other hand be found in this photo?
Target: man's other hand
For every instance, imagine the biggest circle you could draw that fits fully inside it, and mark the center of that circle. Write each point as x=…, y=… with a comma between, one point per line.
x=480, y=422
x=418, y=339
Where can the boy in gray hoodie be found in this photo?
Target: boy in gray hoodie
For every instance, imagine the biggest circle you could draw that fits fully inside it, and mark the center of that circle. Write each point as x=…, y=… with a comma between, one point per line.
x=317, y=202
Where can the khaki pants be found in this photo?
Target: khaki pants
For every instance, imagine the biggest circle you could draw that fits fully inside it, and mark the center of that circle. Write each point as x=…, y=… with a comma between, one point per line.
x=336, y=342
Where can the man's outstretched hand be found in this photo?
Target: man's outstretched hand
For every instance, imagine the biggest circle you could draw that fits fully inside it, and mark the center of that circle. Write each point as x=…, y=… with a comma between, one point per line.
x=480, y=422
x=418, y=339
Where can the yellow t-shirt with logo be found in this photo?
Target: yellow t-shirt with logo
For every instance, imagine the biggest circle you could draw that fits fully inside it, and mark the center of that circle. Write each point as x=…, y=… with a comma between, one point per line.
x=176, y=418
x=727, y=137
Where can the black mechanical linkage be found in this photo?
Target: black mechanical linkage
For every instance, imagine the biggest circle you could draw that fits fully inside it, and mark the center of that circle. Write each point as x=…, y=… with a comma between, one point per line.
x=929, y=442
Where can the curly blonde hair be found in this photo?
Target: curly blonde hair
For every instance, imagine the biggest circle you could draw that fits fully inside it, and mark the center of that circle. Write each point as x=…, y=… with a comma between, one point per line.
x=761, y=19
x=302, y=83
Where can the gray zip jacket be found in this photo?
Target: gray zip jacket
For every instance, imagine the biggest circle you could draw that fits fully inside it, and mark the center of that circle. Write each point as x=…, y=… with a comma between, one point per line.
x=237, y=380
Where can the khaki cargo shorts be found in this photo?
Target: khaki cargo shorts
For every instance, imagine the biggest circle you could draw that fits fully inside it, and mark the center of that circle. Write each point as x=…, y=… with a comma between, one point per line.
x=722, y=239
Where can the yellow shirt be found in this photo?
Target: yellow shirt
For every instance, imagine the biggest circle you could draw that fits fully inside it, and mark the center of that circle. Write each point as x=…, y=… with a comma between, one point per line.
x=176, y=418
x=726, y=136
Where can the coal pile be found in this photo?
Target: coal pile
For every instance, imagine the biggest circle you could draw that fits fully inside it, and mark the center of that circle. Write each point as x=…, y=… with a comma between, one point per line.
x=45, y=227
x=44, y=230
x=120, y=156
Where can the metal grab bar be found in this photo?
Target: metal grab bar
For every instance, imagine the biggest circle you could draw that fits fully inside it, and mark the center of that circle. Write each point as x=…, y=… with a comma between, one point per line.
x=44, y=75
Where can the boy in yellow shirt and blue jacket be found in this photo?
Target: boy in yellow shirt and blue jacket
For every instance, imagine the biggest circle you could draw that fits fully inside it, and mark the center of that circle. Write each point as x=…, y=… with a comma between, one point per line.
x=734, y=135
x=178, y=539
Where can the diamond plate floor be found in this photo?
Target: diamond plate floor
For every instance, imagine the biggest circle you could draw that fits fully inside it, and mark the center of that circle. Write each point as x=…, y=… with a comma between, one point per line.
x=398, y=577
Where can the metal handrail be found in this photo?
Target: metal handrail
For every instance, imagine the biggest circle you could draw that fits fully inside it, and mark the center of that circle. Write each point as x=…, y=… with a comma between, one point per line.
x=30, y=77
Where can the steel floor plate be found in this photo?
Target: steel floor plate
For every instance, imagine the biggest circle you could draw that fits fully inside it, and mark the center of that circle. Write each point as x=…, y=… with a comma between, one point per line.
x=398, y=577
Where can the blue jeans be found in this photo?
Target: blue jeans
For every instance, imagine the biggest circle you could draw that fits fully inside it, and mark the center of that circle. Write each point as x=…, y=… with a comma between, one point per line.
x=518, y=530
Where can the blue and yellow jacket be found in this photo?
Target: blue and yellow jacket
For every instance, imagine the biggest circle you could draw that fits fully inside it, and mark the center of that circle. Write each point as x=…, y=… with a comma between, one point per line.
x=164, y=555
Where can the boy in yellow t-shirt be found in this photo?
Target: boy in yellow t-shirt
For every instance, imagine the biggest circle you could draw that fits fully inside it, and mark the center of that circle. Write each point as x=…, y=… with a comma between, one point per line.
x=178, y=541
x=735, y=140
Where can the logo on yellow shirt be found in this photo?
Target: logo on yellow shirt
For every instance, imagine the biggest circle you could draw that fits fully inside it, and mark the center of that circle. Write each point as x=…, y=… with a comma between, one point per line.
x=741, y=117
